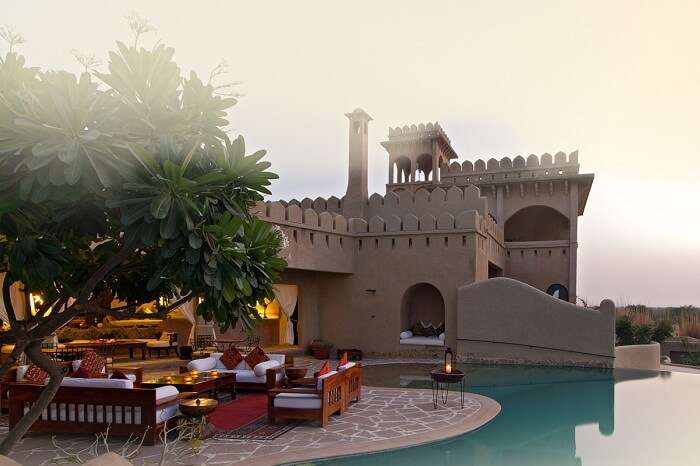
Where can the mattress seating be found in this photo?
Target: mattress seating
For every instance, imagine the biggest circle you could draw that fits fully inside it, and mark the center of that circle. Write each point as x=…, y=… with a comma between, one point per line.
x=408, y=338
x=93, y=405
x=264, y=376
x=316, y=403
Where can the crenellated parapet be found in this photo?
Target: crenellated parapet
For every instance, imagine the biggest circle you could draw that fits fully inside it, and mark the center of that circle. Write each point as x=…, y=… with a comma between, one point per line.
x=532, y=166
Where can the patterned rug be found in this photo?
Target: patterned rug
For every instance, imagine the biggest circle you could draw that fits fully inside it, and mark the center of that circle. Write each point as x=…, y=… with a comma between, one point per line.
x=246, y=419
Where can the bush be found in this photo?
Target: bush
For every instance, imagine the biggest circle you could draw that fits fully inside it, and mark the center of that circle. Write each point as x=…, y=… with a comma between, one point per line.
x=624, y=330
x=662, y=331
x=630, y=333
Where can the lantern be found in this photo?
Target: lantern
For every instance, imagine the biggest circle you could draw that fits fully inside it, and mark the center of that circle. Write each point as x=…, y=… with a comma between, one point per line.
x=449, y=357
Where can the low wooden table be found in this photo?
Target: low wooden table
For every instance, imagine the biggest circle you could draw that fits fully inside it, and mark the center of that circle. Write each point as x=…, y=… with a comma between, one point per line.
x=203, y=383
x=130, y=344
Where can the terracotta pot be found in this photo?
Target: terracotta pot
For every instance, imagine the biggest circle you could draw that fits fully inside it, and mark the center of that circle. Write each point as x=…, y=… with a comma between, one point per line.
x=320, y=353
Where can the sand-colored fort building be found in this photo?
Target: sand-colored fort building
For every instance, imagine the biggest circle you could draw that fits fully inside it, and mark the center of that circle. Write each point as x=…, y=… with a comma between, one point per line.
x=365, y=270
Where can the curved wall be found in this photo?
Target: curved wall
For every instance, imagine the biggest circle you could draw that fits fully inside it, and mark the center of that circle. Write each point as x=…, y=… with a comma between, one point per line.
x=508, y=320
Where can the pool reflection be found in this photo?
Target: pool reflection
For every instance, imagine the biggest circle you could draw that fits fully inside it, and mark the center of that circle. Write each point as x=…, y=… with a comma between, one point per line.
x=541, y=409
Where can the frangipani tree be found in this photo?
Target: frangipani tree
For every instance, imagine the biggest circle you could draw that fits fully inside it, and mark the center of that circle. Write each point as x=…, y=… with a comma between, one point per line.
x=125, y=185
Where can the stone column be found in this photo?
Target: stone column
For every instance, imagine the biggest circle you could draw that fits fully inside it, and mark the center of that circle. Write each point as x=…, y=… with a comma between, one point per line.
x=499, y=205
x=391, y=170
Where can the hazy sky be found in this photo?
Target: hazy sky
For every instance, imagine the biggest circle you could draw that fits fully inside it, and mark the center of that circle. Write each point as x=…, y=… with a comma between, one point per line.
x=619, y=81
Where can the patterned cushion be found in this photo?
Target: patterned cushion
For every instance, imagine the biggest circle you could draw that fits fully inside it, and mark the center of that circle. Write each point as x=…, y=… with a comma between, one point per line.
x=35, y=374
x=92, y=363
x=231, y=358
x=255, y=357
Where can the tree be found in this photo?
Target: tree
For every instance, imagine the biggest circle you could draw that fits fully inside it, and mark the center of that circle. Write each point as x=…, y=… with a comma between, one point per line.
x=124, y=185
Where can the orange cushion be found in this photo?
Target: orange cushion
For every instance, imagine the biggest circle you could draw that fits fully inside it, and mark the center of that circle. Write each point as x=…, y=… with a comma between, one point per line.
x=343, y=359
x=92, y=363
x=255, y=357
x=231, y=358
x=35, y=374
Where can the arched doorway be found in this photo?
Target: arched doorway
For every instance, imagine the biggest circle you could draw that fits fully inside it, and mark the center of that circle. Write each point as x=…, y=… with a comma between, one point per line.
x=422, y=302
x=536, y=223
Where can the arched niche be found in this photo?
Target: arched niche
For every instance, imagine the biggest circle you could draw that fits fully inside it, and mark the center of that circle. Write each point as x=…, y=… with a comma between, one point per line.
x=536, y=223
x=422, y=302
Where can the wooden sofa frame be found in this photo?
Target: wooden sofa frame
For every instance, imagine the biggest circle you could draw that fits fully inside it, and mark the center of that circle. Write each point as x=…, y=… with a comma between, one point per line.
x=270, y=376
x=353, y=383
x=333, y=400
x=72, y=402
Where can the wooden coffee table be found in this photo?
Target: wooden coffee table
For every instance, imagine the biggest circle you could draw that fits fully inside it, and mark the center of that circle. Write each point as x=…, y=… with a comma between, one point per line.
x=203, y=383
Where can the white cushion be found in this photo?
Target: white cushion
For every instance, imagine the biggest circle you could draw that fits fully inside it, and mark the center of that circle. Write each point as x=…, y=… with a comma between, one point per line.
x=442, y=336
x=261, y=369
x=21, y=370
x=204, y=364
x=280, y=358
x=298, y=401
x=97, y=383
x=346, y=366
x=321, y=378
x=250, y=377
x=405, y=334
x=165, y=413
x=427, y=341
x=166, y=391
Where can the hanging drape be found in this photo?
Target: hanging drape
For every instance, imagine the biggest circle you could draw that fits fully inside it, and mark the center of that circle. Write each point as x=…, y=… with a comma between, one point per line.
x=19, y=302
x=187, y=310
x=287, y=298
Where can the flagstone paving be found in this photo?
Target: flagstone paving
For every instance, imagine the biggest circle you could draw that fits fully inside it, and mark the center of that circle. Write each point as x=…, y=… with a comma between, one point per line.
x=385, y=418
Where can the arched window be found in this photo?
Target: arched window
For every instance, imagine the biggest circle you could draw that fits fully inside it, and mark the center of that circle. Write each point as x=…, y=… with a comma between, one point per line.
x=424, y=167
x=403, y=170
x=536, y=223
x=558, y=291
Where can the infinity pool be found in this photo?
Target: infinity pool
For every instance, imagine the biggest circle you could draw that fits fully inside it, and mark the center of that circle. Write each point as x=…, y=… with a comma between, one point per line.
x=558, y=417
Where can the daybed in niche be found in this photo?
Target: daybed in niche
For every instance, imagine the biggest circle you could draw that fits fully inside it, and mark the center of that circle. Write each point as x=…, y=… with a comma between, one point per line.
x=407, y=338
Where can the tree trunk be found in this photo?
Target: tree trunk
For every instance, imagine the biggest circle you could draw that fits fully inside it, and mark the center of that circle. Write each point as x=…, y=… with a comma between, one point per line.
x=55, y=372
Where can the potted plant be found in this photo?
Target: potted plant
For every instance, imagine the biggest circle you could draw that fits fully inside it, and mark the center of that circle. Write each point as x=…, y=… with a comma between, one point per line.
x=320, y=349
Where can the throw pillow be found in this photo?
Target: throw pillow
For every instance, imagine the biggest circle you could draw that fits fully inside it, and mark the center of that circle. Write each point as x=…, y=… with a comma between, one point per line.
x=417, y=329
x=35, y=374
x=93, y=363
x=255, y=357
x=81, y=373
x=343, y=359
x=231, y=358
x=440, y=328
x=325, y=369
x=119, y=374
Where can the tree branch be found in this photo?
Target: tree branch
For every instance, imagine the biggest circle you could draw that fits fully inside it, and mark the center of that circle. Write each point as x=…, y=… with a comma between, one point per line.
x=13, y=357
x=103, y=271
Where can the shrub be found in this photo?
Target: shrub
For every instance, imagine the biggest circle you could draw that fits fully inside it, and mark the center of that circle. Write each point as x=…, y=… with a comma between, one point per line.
x=624, y=330
x=642, y=334
x=662, y=330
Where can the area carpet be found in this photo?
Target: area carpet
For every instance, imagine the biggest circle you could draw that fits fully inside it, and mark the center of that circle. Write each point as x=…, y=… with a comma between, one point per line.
x=246, y=419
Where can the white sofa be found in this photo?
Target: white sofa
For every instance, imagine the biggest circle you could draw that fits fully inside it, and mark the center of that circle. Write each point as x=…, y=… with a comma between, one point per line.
x=407, y=338
x=265, y=375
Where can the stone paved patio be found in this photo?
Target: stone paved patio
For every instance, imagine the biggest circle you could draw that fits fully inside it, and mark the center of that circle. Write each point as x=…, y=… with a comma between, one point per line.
x=385, y=418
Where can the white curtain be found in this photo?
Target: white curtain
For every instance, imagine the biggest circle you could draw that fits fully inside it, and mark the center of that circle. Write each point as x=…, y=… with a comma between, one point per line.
x=187, y=310
x=19, y=303
x=287, y=298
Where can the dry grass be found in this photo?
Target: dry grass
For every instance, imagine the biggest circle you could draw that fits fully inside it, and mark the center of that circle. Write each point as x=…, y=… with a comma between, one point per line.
x=637, y=316
x=689, y=326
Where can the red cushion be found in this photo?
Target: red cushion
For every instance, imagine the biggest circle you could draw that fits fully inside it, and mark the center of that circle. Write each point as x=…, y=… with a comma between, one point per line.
x=231, y=358
x=325, y=369
x=92, y=363
x=343, y=359
x=81, y=373
x=35, y=374
x=118, y=374
x=255, y=357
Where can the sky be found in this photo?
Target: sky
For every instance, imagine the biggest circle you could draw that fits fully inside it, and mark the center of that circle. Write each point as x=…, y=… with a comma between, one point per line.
x=616, y=80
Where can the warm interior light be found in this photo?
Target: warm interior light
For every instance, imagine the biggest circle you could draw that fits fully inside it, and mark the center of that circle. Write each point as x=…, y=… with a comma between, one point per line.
x=187, y=379
x=194, y=373
x=214, y=373
x=268, y=309
x=35, y=301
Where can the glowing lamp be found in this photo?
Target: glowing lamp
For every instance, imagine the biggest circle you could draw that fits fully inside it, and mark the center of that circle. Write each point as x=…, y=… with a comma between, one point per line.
x=168, y=379
x=187, y=379
x=449, y=359
x=194, y=373
x=214, y=373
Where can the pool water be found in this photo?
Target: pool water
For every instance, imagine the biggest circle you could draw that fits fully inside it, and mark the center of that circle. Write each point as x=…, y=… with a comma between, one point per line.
x=558, y=416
